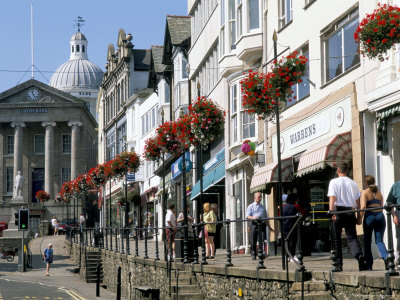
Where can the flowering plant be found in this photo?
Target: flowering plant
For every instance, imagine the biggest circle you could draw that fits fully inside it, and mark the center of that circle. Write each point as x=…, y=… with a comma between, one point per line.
x=167, y=138
x=82, y=183
x=207, y=120
x=125, y=162
x=97, y=175
x=152, y=150
x=379, y=31
x=183, y=131
x=66, y=191
x=261, y=92
x=42, y=196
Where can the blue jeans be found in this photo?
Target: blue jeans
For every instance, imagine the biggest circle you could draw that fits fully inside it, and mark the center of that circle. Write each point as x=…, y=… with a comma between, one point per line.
x=374, y=221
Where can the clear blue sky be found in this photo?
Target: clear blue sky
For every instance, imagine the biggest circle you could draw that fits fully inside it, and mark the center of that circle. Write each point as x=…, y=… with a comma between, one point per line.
x=54, y=26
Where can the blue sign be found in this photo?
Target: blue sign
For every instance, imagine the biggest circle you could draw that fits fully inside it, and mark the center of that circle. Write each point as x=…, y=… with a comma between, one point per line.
x=175, y=166
x=130, y=177
x=214, y=161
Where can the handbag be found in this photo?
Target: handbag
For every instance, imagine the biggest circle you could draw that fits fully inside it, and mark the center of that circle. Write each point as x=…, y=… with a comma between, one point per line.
x=205, y=233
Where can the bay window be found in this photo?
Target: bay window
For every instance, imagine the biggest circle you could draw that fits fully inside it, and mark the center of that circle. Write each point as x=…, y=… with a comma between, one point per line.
x=254, y=14
x=285, y=12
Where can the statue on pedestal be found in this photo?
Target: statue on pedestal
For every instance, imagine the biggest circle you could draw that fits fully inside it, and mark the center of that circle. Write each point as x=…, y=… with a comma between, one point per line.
x=19, y=182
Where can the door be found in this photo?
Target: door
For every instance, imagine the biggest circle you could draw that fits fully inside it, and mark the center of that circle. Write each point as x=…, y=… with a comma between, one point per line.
x=37, y=182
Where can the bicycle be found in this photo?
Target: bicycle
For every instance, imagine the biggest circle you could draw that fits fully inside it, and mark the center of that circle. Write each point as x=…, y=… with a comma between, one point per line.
x=8, y=255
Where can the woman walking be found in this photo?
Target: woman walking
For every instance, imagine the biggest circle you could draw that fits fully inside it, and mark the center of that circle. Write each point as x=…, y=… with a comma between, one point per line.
x=374, y=221
x=209, y=217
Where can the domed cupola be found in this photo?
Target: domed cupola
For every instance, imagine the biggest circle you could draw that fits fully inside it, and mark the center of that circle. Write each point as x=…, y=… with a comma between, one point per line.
x=78, y=44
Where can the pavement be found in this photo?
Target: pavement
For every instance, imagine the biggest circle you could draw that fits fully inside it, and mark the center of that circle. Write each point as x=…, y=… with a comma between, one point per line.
x=34, y=284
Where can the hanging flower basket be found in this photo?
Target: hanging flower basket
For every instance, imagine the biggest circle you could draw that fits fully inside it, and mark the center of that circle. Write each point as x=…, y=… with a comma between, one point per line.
x=152, y=151
x=379, y=31
x=66, y=191
x=97, y=175
x=125, y=162
x=261, y=92
x=167, y=138
x=207, y=120
x=42, y=196
x=184, y=134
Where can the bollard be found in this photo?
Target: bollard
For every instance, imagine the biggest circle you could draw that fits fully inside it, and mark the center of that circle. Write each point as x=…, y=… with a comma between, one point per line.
x=98, y=280
x=195, y=248
x=390, y=258
x=157, y=254
x=119, y=284
x=228, y=244
x=203, y=245
x=260, y=245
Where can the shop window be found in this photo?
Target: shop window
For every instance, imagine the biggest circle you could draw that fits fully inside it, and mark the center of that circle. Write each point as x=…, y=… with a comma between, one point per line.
x=39, y=143
x=285, y=12
x=9, y=179
x=10, y=144
x=301, y=90
x=254, y=14
x=340, y=49
x=66, y=143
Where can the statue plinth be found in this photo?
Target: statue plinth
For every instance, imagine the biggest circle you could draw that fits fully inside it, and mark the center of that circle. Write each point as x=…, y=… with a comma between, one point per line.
x=18, y=199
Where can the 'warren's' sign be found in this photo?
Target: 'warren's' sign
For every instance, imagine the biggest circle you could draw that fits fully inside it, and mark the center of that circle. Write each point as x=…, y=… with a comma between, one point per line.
x=309, y=131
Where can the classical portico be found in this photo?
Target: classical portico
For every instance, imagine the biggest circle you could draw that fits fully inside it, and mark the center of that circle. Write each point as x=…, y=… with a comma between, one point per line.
x=48, y=135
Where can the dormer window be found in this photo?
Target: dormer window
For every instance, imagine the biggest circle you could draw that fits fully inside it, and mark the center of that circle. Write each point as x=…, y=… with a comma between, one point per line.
x=77, y=48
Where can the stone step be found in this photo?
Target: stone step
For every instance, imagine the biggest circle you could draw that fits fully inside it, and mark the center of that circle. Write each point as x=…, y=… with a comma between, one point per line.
x=185, y=275
x=187, y=296
x=312, y=296
x=184, y=281
x=310, y=286
x=185, y=289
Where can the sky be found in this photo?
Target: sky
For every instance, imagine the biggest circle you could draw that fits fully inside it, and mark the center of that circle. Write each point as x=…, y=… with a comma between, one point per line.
x=53, y=22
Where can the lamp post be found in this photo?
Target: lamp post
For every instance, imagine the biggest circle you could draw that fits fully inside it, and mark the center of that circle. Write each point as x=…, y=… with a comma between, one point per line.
x=127, y=206
x=278, y=149
x=109, y=198
x=200, y=165
x=164, y=195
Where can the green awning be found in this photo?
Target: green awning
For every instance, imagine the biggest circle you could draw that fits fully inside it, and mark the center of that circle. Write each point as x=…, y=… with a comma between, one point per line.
x=381, y=126
x=212, y=177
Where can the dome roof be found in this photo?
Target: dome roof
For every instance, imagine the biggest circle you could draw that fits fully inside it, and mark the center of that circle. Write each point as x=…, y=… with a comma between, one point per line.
x=78, y=37
x=77, y=73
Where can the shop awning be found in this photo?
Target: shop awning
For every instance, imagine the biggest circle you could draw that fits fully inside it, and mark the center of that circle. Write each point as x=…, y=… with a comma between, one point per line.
x=330, y=152
x=212, y=177
x=269, y=174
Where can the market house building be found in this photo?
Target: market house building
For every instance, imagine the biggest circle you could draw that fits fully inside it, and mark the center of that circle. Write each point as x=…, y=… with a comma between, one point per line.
x=46, y=134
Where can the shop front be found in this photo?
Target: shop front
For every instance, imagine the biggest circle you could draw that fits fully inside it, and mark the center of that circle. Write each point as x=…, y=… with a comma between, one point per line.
x=312, y=146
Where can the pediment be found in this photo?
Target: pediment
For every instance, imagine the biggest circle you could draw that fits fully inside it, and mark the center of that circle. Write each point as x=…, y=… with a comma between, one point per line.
x=33, y=91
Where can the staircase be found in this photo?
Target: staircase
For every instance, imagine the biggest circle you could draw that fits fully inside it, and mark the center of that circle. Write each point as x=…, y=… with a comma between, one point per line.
x=92, y=259
x=183, y=287
x=313, y=290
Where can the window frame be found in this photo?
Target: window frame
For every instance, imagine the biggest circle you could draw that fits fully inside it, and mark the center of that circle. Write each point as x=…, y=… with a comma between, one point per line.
x=331, y=30
x=63, y=173
x=64, y=150
x=283, y=21
x=9, y=180
x=35, y=145
x=10, y=145
x=232, y=26
x=249, y=16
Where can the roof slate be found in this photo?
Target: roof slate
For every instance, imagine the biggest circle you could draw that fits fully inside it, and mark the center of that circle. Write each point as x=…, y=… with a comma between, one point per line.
x=179, y=29
x=157, y=53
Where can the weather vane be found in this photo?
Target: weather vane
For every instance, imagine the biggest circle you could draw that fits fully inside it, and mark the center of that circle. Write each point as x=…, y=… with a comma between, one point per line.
x=79, y=21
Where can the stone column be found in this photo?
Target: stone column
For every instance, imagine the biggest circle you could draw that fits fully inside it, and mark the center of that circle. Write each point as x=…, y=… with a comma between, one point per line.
x=18, y=148
x=49, y=158
x=74, y=147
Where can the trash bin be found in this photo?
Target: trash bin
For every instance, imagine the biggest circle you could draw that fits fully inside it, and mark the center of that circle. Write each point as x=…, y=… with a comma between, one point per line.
x=179, y=245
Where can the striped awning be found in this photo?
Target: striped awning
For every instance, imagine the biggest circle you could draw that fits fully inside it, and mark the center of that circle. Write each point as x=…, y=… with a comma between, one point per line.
x=269, y=174
x=330, y=152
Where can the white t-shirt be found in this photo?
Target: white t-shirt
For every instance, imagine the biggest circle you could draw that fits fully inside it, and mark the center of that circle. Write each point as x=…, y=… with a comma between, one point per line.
x=81, y=219
x=171, y=218
x=345, y=190
x=53, y=222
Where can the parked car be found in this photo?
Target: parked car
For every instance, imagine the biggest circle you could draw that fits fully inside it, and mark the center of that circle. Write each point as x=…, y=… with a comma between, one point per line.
x=62, y=226
x=3, y=226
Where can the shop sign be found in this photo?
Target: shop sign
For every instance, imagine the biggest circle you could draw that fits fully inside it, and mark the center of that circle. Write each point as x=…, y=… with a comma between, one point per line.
x=33, y=110
x=214, y=161
x=309, y=131
x=175, y=166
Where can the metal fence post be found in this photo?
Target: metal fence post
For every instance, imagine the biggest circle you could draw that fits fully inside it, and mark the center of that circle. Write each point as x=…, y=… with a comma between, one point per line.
x=119, y=283
x=157, y=253
x=390, y=257
x=260, y=245
x=228, y=244
x=98, y=280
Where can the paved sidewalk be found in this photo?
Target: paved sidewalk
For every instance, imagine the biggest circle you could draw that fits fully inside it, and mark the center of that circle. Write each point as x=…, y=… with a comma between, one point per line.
x=60, y=274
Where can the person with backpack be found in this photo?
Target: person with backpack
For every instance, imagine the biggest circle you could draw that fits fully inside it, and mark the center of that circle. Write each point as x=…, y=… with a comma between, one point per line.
x=48, y=257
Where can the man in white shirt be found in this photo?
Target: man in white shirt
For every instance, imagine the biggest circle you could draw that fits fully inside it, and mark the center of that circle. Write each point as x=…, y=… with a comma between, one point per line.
x=170, y=223
x=344, y=195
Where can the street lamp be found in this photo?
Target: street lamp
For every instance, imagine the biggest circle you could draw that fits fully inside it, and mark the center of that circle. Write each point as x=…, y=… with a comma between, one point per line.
x=278, y=149
x=109, y=198
x=127, y=206
x=164, y=195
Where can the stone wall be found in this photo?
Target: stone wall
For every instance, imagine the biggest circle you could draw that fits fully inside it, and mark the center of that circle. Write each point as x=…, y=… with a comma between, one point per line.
x=219, y=282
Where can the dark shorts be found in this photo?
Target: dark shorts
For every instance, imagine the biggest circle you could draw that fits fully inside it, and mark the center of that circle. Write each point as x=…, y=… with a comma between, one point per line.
x=211, y=233
x=170, y=235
